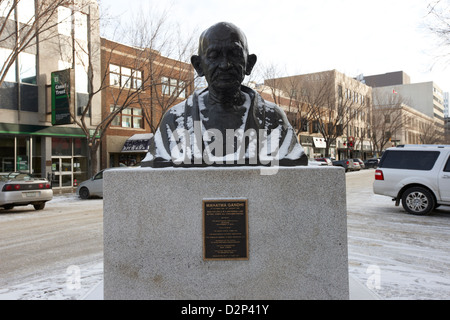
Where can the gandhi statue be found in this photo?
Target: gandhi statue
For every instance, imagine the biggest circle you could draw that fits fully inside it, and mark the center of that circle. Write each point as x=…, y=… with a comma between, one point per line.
x=226, y=124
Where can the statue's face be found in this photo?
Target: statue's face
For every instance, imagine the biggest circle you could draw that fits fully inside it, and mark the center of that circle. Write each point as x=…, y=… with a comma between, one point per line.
x=224, y=60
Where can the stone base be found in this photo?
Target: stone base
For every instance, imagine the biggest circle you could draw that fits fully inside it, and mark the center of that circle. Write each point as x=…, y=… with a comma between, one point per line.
x=153, y=235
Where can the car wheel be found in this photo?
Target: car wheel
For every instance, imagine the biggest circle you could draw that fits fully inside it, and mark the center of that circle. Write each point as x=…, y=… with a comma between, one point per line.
x=39, y=206
x=418, y=201
x=84, y=193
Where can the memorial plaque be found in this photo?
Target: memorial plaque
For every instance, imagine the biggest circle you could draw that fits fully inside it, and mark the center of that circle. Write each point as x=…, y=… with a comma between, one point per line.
x=225, y=229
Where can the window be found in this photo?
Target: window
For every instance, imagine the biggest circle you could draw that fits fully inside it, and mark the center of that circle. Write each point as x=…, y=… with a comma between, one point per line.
x=81, y=26
x=182, y=87
x=339, y=91
x=137, y=80
x=25, y=11
x=128, y=118
x=11, y=75
x=173, y=87
x=124, y=77
x=5, y=9
x=114, y=75
x=81, y=78
x=447, y=166
x=26, y=79
x=65, y=21
x=27, y=68
x=99, y=176
x=409, y=160
x=304, y=125
x=315, y=126
x=137, y=118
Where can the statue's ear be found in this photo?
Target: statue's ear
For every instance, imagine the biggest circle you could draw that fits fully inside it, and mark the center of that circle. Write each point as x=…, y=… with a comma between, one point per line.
x=251, y=61
x=197, y=63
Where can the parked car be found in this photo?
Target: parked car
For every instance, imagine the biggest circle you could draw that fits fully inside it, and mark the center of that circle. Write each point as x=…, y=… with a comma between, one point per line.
x=324, y=161
x=22, y=189
x=347, y=164
x=92, y=187
x=371, y=163
x=361, y=163
x=314, y=163
x=417, y=176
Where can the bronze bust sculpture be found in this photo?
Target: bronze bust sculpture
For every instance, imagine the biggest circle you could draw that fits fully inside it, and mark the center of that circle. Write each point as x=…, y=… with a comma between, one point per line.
x=226, y=124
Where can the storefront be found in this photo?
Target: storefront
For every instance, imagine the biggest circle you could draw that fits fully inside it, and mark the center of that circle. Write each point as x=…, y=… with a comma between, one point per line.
x=307, y=144
x=320, y=147
x=57, y=153
x=128, y=151
x=20, y=153
x=69, y=162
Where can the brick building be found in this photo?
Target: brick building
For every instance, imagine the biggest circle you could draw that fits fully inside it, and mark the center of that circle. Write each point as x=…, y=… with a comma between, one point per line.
x=140, y=86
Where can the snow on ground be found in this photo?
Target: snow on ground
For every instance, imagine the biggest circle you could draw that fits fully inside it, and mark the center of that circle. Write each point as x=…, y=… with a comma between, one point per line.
x=397, y=255
x=63, y=284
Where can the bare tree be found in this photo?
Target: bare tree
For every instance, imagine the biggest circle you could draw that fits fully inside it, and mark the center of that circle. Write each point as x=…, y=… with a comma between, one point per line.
x=439, y=25
x=429, y=134
x=330, y=105
x=144, y=86
x=388, y=119
x=283, y=91
x=21, y=23
x=170, y=75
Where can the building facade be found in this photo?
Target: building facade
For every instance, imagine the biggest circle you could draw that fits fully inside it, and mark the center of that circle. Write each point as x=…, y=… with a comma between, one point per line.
x=386, y=79
x=446, y=110
x=31, y=55
x=425, y=97
x=141, y=85
x=330, y=111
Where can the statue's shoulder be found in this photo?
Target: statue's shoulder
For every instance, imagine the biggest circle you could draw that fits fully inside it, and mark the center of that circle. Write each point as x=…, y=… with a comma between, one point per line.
x=176, y=111
x=274, y=115
x=180, y=109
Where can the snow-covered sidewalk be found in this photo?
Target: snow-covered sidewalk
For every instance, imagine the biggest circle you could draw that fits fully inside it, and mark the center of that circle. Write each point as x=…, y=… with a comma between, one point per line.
x=397, y=255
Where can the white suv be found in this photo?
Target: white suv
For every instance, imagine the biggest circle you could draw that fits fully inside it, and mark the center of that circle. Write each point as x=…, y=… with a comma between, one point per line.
x=418, y=175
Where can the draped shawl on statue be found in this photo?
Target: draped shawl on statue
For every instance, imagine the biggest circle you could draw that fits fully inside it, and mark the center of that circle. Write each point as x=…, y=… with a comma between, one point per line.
x=266, y=137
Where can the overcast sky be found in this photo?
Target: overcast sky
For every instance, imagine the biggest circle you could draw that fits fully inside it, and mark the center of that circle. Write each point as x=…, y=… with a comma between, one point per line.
x=353, y=36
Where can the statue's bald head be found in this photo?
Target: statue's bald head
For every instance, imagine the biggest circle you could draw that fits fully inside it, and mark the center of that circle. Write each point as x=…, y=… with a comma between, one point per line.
x=223, y=58
x=220, y=32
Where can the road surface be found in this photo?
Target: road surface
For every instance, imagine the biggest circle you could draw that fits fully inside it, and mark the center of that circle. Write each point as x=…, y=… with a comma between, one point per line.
x=56, y=242
x=57, y=253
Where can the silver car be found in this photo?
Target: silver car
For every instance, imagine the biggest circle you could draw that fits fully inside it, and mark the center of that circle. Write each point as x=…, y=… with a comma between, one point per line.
x=92, y=187
x=22, y=189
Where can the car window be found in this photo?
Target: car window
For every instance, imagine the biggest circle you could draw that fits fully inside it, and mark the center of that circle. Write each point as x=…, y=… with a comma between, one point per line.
x=19, y=176
x=409, y=160
x=447, y=166
x=99, y=176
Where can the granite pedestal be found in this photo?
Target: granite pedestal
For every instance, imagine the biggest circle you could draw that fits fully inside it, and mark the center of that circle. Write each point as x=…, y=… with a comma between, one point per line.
x=297, y=234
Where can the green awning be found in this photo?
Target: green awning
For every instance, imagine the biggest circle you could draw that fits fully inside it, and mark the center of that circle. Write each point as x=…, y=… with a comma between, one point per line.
x=33, y=130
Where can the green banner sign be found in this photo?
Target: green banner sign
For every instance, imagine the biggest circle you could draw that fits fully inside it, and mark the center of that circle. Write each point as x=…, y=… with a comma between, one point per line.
x=61, y=97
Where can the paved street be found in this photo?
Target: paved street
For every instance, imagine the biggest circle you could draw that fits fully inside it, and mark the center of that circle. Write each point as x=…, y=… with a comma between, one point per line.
x=410, y=255
x=399, y=255
x=37, y=245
